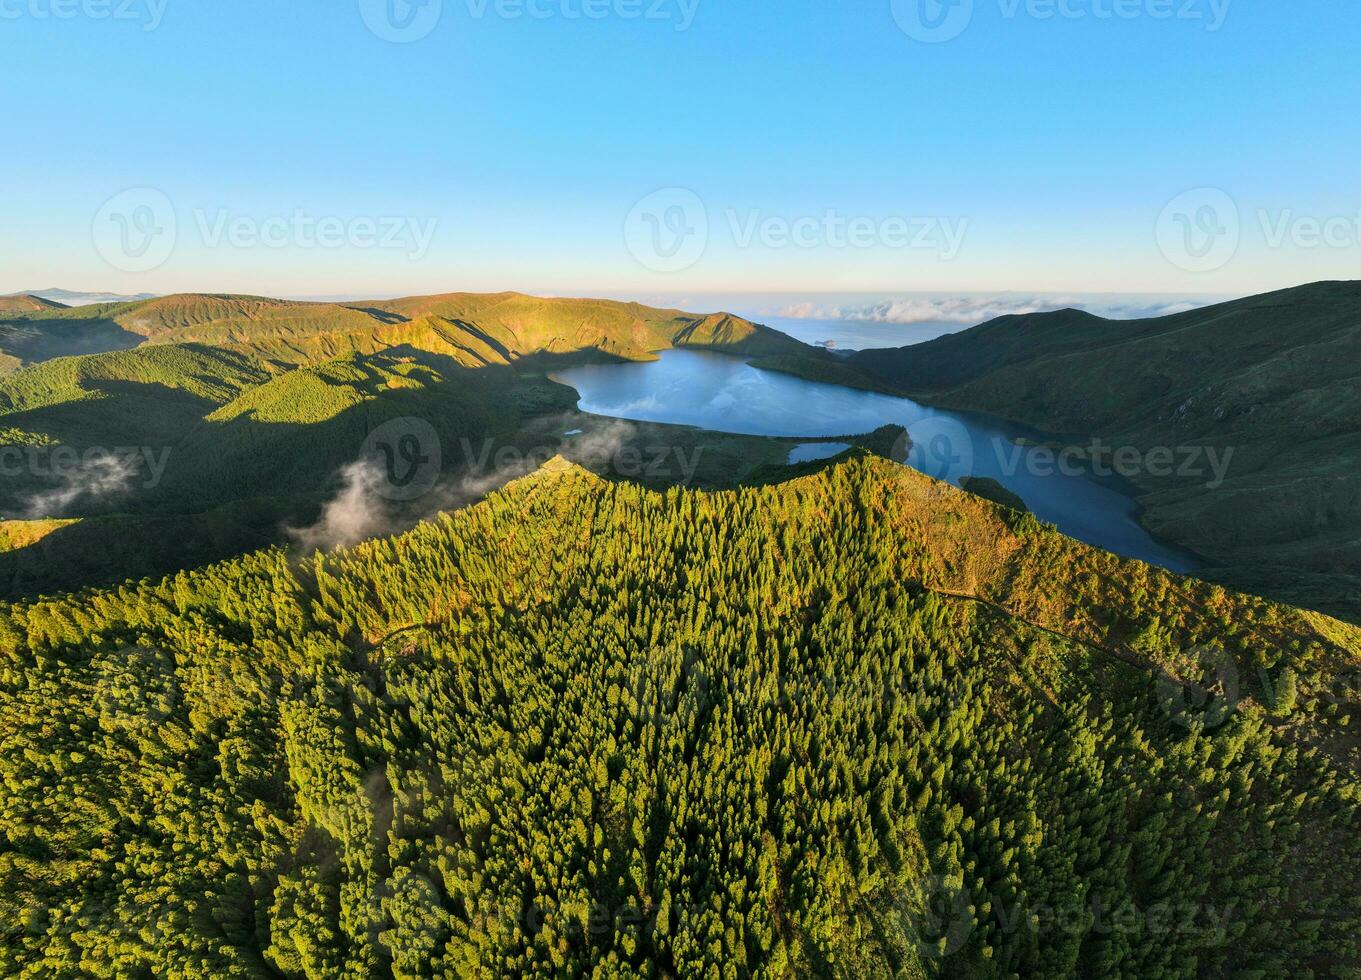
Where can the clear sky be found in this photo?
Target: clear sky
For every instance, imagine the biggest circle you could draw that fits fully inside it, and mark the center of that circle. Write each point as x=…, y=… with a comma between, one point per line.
x=311, y=148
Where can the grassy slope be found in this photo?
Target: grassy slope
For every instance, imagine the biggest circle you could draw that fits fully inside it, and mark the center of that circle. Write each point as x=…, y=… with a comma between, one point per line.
x=24, y=534
x=24, y=303
x=1277, y=378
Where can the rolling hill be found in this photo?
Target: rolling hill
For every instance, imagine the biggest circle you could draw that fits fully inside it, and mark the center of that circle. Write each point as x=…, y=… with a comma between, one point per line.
x=474, y=329
x=224, y=420
x=180, y=454
x=857, y=724
x=27, y=303
x=1275, y=380
x=33, y=330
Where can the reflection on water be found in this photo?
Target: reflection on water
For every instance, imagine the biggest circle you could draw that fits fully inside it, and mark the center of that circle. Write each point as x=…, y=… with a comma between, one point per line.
x=716, y=391
x=807, y=452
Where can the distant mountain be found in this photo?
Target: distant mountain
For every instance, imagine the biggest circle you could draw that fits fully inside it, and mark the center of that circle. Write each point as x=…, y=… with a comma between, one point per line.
x=474, y=329
x=1275, y=380
x=27, y=303
x=68, y=297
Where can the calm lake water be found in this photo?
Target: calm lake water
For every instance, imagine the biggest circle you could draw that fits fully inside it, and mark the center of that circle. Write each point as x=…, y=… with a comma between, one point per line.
x=724, y=393
x=808, y=452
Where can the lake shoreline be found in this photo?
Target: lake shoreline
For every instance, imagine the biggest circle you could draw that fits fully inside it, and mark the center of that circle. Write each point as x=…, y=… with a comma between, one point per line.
x=730, y=394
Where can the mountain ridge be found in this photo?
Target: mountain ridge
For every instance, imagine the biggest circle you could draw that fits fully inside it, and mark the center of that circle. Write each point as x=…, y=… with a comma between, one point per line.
x=27, y=302
x=293, y=332
x=1274, y=379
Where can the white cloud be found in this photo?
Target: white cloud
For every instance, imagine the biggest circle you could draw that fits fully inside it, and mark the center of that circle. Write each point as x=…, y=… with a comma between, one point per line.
x=102, y=475
x=971, y=309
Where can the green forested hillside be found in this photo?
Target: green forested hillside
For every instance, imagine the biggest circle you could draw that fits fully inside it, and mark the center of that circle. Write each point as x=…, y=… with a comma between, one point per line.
x=1275, y=380
x=177, y=455
x=34, y=330
x=856, y=725
x=124, y=397
x=473, y=328
x=193, y=427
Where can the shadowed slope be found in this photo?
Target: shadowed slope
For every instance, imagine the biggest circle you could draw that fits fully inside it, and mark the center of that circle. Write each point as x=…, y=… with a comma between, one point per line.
x=1273, y=380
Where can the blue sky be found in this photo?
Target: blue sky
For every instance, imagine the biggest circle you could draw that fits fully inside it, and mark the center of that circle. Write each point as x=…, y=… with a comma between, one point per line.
x=679, y=146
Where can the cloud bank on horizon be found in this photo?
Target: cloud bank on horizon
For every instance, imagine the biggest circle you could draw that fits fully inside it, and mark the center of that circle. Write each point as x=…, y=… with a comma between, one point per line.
x=970, y=309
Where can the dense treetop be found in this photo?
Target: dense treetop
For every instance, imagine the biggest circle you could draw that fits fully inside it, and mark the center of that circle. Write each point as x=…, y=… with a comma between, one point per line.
x=858, y=724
